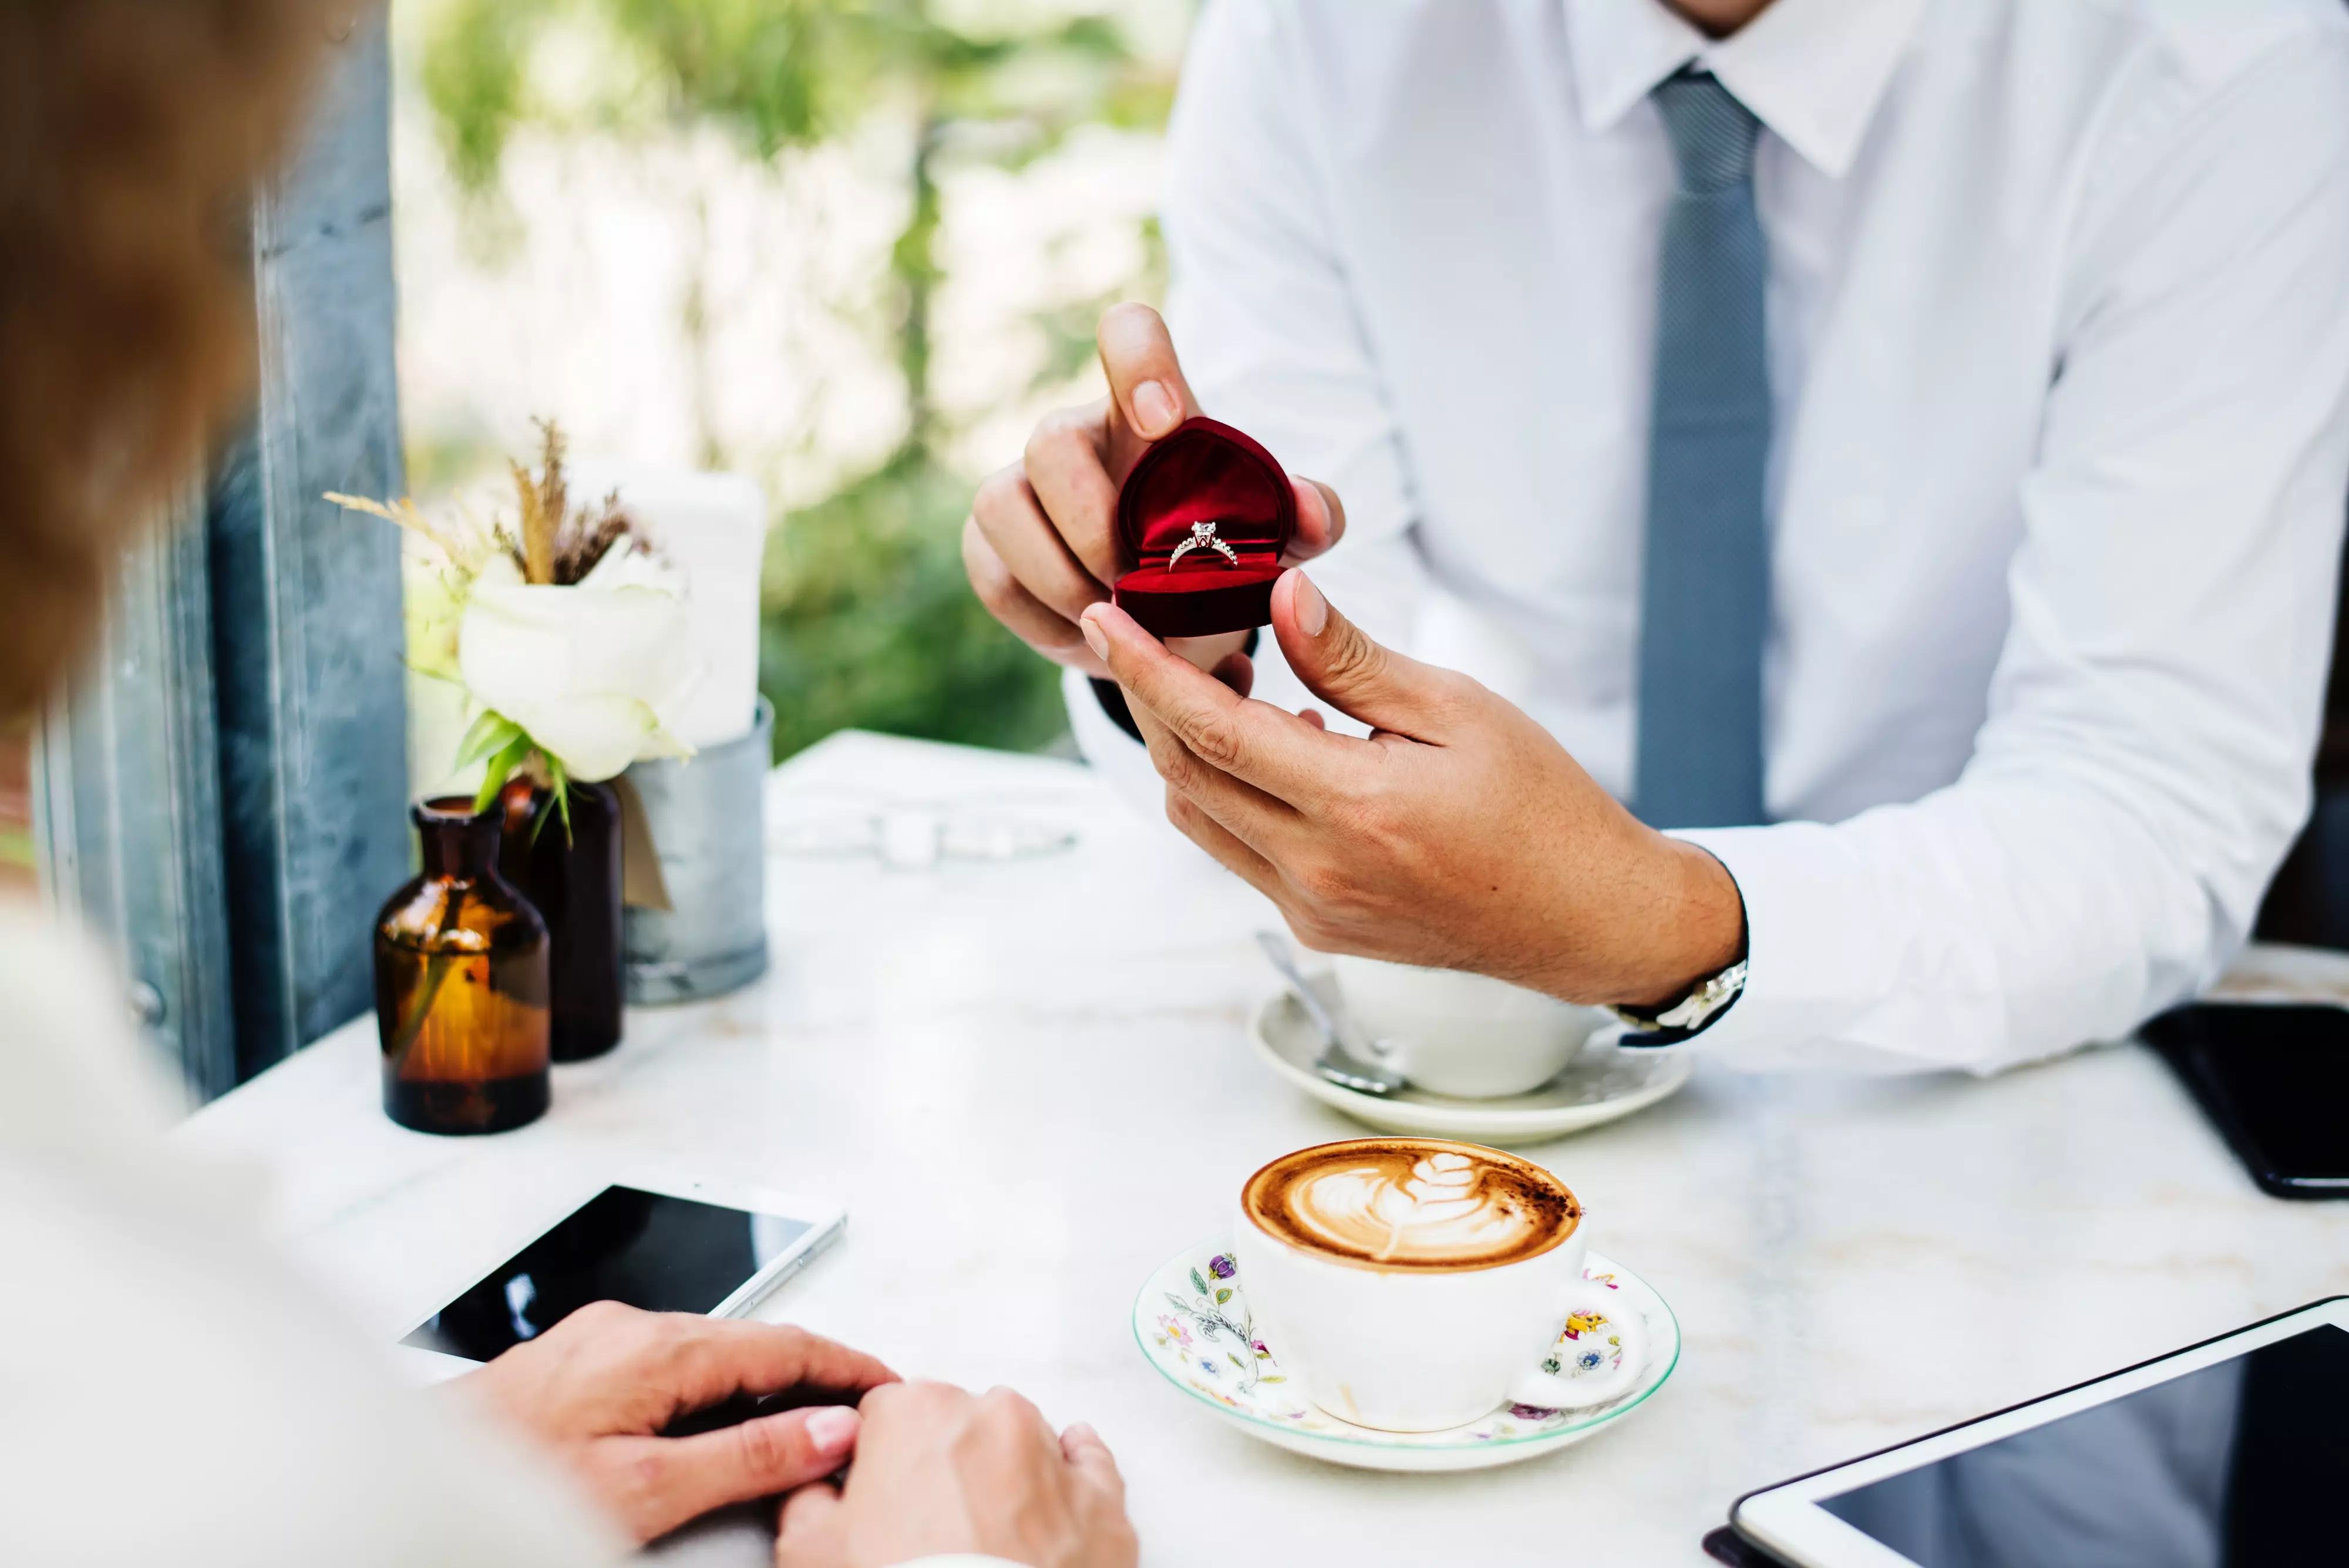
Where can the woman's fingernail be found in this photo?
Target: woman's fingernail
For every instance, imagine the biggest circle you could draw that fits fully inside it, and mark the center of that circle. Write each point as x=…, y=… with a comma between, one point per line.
x=1095, y=639
x=1312, y=610
x=1154, y=409
x=832, y=1429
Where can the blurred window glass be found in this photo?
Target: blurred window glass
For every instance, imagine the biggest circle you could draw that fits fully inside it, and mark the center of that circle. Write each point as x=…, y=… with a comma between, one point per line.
x=852, y=249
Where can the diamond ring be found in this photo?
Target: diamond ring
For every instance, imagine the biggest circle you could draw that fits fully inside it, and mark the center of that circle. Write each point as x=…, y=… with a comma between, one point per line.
x=1203, y=533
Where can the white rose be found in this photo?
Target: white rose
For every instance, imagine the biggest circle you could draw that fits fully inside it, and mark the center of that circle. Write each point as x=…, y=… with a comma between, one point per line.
x=591, y=672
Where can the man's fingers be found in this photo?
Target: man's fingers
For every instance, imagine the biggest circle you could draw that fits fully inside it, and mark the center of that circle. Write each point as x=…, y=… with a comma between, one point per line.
x=1067, y=464
x=1236, y=670
x=1195, y=822
x=1012, y=520
x=1145, y=382
x=1338, y=663
x=661, y=1482
x=1320, y=521
x=1027, y=618
x=1254, y=741
x=1262, y=822
x=1191, y=819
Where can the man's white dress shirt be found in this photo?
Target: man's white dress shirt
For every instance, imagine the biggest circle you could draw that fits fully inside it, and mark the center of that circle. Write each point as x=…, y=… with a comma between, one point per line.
x=2058, y=313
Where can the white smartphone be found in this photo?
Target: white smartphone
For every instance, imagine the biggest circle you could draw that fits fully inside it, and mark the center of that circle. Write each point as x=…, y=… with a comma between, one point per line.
x=655, y=1241
x=2231, y=1452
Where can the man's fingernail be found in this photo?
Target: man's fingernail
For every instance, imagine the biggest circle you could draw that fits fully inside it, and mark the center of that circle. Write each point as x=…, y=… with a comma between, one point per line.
x=1312, y=610
x=832, y=1429
x=1154, y=408
x=1095, y=639
x=1081, y=1432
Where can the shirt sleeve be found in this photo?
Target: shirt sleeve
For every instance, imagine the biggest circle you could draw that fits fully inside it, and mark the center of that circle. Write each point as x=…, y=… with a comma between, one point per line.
x=176, y=1391
x=1264, y=321
x=2145, y=762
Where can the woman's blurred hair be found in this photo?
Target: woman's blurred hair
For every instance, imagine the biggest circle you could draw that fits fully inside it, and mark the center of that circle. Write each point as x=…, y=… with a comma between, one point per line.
x=131, y=134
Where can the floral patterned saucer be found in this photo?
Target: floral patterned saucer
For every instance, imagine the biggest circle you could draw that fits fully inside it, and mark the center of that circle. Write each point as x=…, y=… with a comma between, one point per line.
x=1192, y=1324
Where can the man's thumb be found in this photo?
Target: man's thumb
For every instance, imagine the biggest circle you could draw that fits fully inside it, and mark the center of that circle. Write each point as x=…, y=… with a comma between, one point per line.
x=1338, y=663
x=1145, y=377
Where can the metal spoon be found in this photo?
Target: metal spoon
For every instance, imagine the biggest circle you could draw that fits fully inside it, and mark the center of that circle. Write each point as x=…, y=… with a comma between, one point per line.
x=1336, y=1063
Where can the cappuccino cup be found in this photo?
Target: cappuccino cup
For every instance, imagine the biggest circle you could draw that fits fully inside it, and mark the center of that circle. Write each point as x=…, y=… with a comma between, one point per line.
x=1413, y=1285
x=1452, y=1032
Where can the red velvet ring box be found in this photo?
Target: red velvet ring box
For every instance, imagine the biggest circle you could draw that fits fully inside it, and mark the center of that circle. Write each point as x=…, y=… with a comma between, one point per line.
x=1203, y=473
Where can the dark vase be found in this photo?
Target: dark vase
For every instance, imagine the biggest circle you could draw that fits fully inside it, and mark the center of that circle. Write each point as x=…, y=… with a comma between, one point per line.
x=573, y=880
x=461, y=985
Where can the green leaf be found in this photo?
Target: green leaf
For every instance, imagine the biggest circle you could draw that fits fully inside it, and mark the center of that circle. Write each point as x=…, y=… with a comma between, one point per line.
x=1223, y=1295
x=561, y=790
x=562, y=776
x=1197, y=1283
x=502, y=766
x=491, y=732
x=1236, y=1361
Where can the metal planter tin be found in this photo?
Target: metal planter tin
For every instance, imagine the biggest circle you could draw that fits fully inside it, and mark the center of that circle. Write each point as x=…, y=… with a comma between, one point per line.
x=707, y=816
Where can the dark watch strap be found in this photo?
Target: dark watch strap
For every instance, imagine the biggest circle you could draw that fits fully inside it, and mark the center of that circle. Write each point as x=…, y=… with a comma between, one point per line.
x=1687, y=1015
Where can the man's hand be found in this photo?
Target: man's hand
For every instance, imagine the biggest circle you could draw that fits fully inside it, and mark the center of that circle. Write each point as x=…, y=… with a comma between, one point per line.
x=1459, y=835
x=1041, y=540
x=596, y=1387
x=938, y=1470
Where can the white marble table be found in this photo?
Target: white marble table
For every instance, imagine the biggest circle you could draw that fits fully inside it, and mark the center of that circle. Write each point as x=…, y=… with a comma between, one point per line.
x=1029, y=1083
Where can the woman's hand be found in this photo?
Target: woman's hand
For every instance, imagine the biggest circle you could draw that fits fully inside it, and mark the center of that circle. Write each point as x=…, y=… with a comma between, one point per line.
x=1041, y=541
x=597, y=1389
x=940, y=1471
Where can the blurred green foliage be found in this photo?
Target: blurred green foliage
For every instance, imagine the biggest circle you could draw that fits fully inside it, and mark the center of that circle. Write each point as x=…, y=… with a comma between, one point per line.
x=870, y=623
x=868, y=620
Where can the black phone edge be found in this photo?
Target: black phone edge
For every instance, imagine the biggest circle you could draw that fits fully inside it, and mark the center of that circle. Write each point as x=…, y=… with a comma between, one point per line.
x=1723, y=1544
x=2006, y=1411
x=2184, y=1058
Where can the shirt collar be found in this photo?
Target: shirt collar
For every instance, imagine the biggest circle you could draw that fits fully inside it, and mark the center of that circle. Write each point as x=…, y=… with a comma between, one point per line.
x=1811, y=70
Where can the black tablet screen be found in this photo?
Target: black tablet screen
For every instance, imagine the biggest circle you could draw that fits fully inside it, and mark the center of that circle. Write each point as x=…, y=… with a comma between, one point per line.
x=645, y=1248
x=2241, y=1465
x=2274, y=1077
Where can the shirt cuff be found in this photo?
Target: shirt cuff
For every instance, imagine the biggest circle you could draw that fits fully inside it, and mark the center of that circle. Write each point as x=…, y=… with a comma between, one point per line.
x=960, y=1560
x=1813, y=963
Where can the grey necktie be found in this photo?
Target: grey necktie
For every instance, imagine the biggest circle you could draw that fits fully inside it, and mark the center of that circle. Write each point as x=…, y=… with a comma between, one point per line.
x=1705, y=596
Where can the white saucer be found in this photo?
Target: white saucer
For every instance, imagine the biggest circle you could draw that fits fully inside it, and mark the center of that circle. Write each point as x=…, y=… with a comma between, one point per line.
x=1602, y=1084
x=1191, y=1322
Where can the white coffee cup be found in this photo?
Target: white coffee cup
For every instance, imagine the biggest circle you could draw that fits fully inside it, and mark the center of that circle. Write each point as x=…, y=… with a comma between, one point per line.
x=1452, y=1032
x=1420, y=1349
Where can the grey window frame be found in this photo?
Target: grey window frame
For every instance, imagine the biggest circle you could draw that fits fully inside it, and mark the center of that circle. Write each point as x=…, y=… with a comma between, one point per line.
x=221, y=792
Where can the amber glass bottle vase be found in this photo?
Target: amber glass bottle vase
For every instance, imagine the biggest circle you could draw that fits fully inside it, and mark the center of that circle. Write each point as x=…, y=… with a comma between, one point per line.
x=570, y=872
x=460, y=984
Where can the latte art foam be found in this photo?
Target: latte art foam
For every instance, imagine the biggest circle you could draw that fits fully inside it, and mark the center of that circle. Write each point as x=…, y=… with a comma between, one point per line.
x=1411, y=1203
